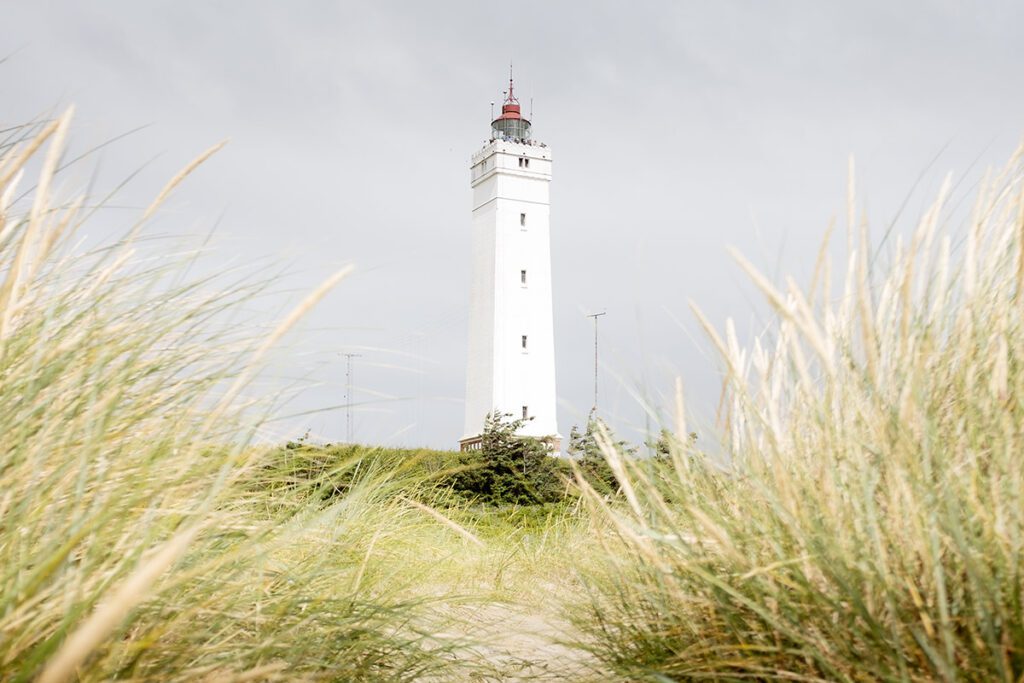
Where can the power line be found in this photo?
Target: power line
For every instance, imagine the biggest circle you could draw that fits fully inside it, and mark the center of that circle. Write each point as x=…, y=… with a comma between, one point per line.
x=595, y=316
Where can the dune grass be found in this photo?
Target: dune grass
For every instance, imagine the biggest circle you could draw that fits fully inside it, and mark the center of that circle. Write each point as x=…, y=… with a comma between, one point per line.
x=478, y=551
x=867, y=518
x=129, y=546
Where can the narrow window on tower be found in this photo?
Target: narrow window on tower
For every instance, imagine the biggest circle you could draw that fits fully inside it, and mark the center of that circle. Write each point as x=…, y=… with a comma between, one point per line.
x=522, y=219
x=520, y=162
x=526, y=413
x=526, y=163
x=522, y=277
x=524, y=342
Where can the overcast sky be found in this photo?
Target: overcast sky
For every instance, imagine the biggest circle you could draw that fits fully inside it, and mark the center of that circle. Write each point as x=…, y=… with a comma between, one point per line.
x=677, y=129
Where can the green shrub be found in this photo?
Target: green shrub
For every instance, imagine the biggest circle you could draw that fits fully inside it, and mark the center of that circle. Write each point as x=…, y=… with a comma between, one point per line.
x=590, y=462
x=513, y=469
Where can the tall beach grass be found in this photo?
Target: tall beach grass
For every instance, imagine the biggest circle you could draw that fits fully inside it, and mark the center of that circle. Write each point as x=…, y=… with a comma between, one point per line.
x=129, y=546
x=866, y=521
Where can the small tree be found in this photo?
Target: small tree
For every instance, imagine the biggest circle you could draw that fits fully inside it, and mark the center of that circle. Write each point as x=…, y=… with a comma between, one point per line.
x=583, y=447
x=662, y=447
x=515, y=469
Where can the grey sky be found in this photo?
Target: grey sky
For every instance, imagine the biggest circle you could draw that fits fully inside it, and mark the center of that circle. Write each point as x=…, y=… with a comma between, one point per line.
x=678, y=128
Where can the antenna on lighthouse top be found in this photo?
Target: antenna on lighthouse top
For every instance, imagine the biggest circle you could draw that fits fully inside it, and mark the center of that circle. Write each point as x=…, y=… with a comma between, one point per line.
x=510, y=124
x=511, y=96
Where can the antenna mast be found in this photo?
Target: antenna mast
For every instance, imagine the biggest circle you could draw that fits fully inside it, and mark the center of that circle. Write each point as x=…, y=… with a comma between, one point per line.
x=595, y=316
x=349, y=394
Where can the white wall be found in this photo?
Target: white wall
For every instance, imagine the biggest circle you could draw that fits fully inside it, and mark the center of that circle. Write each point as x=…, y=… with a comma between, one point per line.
x=500, y=374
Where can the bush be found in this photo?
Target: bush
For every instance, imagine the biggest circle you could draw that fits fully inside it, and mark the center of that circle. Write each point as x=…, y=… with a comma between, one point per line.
x=511, y=469
x=586, y=452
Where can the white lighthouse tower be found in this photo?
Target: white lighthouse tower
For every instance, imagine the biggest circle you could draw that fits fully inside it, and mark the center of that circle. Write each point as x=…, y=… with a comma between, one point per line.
x=511, y=364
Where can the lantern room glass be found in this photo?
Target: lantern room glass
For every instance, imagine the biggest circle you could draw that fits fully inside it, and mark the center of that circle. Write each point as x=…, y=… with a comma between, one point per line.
x=508, y=129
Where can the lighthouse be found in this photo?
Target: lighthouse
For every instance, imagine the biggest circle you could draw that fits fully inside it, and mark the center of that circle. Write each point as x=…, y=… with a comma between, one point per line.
x=511, y=358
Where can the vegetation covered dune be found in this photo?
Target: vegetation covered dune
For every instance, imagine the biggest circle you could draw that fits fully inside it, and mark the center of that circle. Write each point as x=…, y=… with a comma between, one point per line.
x=863, y=521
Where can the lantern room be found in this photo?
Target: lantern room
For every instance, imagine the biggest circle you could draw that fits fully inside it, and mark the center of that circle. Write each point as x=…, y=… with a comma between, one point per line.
x=510, y=125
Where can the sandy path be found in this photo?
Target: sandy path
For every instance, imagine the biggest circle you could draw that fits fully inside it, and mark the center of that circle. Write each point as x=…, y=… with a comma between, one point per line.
x=513, y=643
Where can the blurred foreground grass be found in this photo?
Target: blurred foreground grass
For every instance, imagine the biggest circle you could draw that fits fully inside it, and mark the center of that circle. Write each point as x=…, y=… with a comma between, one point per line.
x=866, y=521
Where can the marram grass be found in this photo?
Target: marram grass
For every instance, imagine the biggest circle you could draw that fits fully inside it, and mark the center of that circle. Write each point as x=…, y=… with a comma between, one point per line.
x=129, y=546
x=866, y=521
